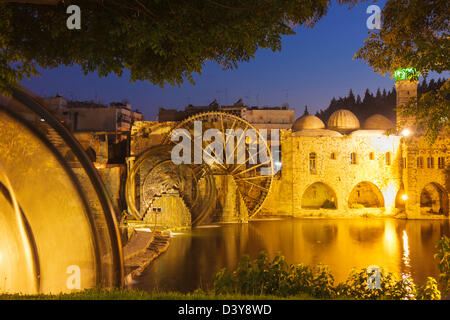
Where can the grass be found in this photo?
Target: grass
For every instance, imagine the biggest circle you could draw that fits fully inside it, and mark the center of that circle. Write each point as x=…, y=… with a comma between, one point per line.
x=127, y=294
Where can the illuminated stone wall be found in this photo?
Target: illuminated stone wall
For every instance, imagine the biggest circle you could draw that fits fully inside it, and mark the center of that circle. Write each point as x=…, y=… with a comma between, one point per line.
x=174, y=213
x=418, y=177
x=288, y=195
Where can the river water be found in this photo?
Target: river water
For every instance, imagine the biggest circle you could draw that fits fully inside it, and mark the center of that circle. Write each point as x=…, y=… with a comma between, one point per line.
x=402, y=246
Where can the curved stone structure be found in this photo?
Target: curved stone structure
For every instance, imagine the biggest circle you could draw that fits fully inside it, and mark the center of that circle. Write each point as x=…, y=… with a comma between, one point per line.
x=58, y=231
x=378, y=122
x=343, y=121
x=307, y=122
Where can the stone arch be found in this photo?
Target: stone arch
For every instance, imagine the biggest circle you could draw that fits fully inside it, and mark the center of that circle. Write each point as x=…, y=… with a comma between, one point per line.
x=319, y=195
x=365, y=195
x=434, y=198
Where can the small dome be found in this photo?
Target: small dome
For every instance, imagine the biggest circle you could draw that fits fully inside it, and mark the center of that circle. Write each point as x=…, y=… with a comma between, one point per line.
x=378, y=122
x=307, y=122
x=343, y=120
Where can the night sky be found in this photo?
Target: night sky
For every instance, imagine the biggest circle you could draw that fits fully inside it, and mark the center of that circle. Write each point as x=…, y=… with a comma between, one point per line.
x=313, y=66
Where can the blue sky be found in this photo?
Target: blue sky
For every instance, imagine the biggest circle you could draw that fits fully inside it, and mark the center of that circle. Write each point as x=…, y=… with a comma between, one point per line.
x=313, y=66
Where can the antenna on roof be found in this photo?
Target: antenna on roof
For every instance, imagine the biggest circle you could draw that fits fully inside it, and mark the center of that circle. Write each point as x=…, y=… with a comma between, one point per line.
x=287, y=95
x=218, y=92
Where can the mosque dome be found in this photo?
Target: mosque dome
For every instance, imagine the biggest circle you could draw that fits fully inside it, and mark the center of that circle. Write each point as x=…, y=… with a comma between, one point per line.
x=378, y=122
x=307, y=122
x=343, y=120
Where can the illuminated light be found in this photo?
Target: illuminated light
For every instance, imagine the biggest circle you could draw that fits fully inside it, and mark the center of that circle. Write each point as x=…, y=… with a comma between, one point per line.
x=406, y=74
x=404, y=197
x=100, y=165
x=406, y=132
x=42, y=119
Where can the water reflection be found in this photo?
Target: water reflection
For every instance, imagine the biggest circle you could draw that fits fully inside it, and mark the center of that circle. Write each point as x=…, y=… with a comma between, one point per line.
x=404, y=247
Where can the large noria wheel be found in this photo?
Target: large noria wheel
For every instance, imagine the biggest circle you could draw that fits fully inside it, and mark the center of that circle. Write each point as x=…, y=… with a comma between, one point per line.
x=245, y=153
x=58, y=231
x=154, y=174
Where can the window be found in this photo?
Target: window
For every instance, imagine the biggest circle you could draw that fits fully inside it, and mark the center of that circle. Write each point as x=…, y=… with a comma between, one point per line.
x=312, y=163
x=388, y=158
x=419, y=162
x=353, y=158
x=441, y=162
x=333, y=156
x=430, y=162
x=371, y=156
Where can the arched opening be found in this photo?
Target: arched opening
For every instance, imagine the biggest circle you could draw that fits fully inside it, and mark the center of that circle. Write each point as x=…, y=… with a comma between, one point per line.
x=365, y=195
x=400, y=199
x=319, y=195
x=434, y=199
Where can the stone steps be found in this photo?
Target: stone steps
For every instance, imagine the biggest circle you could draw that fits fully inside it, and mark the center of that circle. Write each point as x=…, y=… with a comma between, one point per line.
x=136, y=264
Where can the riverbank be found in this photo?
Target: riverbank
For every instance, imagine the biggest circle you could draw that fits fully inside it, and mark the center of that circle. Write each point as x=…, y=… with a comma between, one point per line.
x=144, y=247
x=126, y=294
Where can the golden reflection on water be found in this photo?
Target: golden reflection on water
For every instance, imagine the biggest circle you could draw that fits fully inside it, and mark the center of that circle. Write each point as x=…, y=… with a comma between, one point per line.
x=400, y=246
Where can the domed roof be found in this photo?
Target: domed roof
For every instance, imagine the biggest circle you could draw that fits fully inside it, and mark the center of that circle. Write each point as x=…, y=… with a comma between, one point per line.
x=378, y=122
x=343, y=120
x=307, y=122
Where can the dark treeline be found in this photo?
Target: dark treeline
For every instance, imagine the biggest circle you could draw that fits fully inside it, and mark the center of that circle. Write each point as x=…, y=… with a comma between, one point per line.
x=382, y=102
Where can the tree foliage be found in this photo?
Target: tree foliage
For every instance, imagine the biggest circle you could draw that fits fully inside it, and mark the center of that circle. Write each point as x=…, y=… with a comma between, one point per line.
x=415, y=33
x=382, y=102
x=156, y=40
x=431, y=111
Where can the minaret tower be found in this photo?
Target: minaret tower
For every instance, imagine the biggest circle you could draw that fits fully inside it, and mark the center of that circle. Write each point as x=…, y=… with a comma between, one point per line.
x=406, y=81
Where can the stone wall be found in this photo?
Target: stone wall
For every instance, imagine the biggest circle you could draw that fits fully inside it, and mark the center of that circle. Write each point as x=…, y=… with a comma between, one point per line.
x=334, y=170
x=417, y=177
x=174, y=214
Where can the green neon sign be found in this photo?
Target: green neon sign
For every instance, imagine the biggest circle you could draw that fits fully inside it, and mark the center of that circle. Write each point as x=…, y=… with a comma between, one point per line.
x=406, y=74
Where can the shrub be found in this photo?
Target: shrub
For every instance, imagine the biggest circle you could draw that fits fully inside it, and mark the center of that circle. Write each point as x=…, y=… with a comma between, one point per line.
x=429, y=291
x=262, y=276
x=443, y=257
x=391, y=287
x=257, y=277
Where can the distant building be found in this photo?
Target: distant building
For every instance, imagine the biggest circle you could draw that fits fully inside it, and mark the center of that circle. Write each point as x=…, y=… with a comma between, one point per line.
x=102, y=130
x=88, y=116
x=261, y=118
